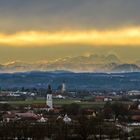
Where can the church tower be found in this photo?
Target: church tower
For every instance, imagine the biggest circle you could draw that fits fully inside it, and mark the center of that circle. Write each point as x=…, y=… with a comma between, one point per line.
x=49, y=101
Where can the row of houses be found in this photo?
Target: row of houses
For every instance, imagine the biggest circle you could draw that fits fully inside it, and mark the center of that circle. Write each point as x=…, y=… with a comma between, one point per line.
x=14, y=116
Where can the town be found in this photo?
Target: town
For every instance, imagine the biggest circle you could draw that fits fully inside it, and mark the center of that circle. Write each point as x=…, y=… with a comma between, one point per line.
x=61, y=114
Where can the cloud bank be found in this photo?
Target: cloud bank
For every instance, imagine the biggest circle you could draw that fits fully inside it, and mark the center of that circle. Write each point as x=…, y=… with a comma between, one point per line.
x=20, y=15
x=126, y=36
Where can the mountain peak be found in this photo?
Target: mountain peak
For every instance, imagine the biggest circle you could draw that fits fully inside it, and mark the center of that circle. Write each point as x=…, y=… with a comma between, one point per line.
x=126, y=68
x=112, y=58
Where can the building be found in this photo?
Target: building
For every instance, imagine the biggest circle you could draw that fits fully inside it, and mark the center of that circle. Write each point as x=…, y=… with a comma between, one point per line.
x=107, y=99
x=66, y=119
x=134, y=92
x=49, y=100
x=61, y=89
x=99, y=98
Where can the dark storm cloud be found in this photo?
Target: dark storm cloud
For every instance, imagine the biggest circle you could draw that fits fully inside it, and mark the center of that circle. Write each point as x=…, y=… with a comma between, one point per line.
x=61, y=14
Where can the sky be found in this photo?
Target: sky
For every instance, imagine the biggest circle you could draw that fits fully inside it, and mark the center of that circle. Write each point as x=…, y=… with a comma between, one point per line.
x=35, y=30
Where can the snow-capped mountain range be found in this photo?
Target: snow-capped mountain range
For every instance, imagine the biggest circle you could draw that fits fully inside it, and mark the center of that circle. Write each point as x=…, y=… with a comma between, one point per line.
x=91, y=63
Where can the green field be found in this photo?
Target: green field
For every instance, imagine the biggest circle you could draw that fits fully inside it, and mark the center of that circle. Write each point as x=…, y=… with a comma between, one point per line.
x=58, y=102
x=61, y=102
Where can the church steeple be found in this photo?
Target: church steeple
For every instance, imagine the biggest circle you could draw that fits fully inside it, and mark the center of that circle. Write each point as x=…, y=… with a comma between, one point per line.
x=49, y=90
x=49, y=100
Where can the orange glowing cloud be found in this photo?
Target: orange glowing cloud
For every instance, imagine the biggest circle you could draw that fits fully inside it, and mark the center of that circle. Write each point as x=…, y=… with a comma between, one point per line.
x=126, y=36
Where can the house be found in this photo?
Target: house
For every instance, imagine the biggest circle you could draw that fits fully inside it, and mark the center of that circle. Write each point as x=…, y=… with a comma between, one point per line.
x=59, y=97
x=27, y=116
x=42, y=120
x=107, y=99
x=135, y=118
x=66, y=119
x=9, y=116
x=99, y=98
x=134, y=92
